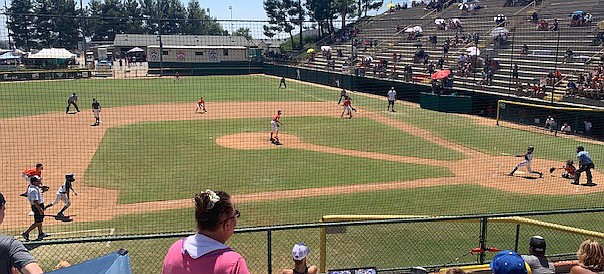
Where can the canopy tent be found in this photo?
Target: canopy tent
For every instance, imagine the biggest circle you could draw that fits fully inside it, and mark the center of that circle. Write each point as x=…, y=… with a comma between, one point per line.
x=52, y=53
x=500, y=17
x=439, y=21
x=325, y=48
x=390, y=6
x=499, y=31
x=114, y=263
x=10, y=56
x=311, y=50
x=135, y=49
x=418, y=29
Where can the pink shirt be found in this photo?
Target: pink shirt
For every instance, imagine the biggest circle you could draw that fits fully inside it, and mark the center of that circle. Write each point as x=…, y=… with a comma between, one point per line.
x=222, y=261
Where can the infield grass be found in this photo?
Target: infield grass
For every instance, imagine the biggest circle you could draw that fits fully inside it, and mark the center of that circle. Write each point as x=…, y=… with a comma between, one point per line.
x=189, y=157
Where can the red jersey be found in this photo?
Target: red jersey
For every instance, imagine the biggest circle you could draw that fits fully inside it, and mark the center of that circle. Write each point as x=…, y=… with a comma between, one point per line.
x=346, y=103
x=32, y=172
x=201, y=101
x=276, y=118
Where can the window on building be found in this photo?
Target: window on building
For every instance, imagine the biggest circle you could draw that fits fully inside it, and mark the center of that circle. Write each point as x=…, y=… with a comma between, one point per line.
x=225, y=52
x=199, y=53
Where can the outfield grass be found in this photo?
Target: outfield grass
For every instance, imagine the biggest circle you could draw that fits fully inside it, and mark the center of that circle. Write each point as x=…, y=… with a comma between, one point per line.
x=189, y=156
x=29, y=98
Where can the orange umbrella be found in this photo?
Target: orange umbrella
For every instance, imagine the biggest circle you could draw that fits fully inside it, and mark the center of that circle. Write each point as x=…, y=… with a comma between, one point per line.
x=441, y=74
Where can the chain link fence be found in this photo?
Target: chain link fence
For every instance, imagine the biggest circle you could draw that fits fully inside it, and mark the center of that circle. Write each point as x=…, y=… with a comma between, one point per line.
x=391, y=246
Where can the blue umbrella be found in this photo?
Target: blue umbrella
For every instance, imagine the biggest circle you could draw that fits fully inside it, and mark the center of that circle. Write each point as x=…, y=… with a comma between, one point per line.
x=577, y=12
x=114, y=263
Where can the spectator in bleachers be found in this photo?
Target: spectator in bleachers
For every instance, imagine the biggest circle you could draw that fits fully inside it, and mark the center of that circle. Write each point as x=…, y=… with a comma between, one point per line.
x=591, y=257
x=441, y=63
x=508, y=262
x=433, y=40
x=205, y=252
x=534, y=17
x=515, y=73
x=476, y=38
x=568, y=56
x=542, y=25
x=430, y=68
x=525, y=49
x=446, y=50
x=537, y=260
x=555, y=26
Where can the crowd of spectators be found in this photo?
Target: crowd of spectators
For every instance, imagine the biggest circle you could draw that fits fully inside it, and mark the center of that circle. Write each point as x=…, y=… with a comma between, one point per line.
x=588, y=85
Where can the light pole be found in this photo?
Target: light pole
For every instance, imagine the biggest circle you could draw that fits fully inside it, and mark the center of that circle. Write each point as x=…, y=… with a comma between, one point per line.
x=231, y=9
x=209, y=14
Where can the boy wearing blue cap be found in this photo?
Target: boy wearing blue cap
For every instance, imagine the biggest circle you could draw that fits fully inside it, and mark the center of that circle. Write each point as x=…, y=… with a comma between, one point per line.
x=508, y=262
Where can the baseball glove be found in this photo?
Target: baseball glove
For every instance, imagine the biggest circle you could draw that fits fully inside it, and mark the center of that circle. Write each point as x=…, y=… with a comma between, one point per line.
x=44, y=188
x=551, y=169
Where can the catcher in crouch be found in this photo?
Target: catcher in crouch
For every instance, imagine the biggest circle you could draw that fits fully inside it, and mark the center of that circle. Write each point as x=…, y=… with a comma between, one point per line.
x=569, y=170
x=63, y=194
x=528, y=158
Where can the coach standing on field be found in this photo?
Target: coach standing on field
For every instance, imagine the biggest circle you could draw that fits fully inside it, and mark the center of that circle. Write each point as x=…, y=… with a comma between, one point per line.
x=585, y=164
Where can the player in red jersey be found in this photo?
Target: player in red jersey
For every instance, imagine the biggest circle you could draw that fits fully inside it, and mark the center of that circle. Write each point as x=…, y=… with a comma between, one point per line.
x=201, y=105
x=347, y=108
x=275, y=124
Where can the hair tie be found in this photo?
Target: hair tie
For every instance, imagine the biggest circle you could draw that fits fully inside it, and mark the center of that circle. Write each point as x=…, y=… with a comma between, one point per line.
x=214, y=198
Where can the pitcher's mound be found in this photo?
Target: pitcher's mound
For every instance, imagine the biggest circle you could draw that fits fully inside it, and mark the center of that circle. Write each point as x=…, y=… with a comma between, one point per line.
x=255, y=140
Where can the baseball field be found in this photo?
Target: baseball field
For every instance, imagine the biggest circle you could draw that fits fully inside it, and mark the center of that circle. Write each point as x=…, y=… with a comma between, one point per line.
x=137, y=172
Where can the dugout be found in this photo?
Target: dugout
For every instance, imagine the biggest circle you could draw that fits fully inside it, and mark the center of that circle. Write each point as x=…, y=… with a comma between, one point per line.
x=201, y=60
x=446, y=103
x=536, y=114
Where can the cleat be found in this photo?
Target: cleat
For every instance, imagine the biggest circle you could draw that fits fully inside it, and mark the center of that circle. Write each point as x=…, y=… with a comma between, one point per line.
x=25, y=236
x=42, y=236
x=573, y=183
x=23, y=194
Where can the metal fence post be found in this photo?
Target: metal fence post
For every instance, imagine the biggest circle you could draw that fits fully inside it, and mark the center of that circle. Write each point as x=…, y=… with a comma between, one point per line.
x=483, y=238
x=269, y=250
x=517, y=237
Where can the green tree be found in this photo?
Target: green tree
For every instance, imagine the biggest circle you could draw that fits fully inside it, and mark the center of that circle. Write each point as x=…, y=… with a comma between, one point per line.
x=44, y=32
x=346, y=9
x=150, y=12
x=133, y=12
x=199, y=22
x=276, y=12
x=243, y=32
x=367, y=5
x=20, y=24
x=66, y=25
x=108, y=19
x=296, y=15
x=173, y=15
x=321, y=12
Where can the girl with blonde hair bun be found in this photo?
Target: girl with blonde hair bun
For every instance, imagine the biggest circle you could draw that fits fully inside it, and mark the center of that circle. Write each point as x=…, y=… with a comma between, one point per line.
x=591, y=258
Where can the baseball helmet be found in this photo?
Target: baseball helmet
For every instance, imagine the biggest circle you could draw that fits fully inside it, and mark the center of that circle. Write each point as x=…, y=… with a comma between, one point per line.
x=34, y=179
x=580, y=148
x=569, y=162
x=70, y=177
x=530, y=148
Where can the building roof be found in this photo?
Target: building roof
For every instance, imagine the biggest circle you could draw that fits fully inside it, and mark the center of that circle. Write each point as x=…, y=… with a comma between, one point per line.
x=197, y=47
x=268, y=42
x=144, y=40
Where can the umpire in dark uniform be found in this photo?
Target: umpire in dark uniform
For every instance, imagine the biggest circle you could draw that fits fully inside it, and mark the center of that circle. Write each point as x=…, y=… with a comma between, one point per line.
x=73, y=99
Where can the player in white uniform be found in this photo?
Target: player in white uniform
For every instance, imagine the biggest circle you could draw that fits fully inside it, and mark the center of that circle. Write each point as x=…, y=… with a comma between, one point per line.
x=528, y=157
x=63, y=193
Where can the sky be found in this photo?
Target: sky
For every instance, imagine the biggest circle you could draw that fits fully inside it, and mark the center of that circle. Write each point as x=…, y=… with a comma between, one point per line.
x=219, y=9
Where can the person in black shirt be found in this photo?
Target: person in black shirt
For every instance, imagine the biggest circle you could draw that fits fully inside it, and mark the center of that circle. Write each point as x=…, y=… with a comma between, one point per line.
x=96, y=110
x=73, y=99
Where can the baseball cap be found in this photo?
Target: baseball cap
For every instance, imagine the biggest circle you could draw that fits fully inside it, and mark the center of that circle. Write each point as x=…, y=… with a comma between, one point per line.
x=34, y=179
x=300, y=251
x=2, y=200
x=508, y=262
x=537, y=243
